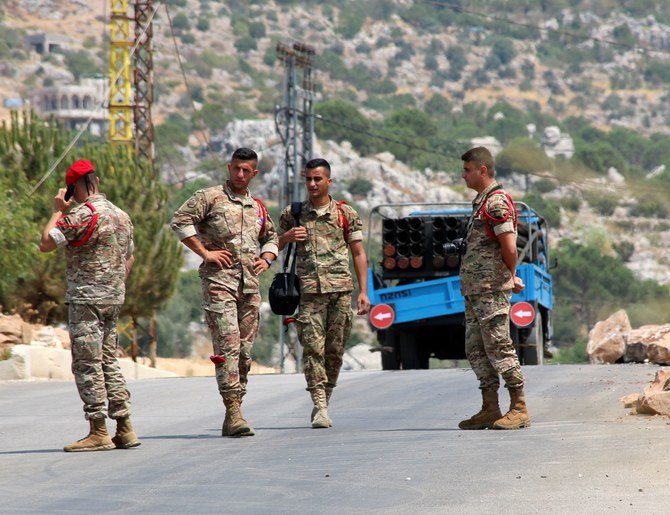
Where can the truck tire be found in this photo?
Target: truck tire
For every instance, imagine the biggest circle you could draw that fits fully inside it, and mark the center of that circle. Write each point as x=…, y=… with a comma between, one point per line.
x=533, y=348
x=412, y=355
x=389, y=345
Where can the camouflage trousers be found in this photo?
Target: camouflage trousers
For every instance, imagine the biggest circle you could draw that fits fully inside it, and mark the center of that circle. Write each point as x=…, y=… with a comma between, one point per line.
x=232, y=318
x=488, y=345
x=94, y=340
x=324, y=327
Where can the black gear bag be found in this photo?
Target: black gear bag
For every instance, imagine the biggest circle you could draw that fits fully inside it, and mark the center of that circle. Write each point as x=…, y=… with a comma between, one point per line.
x=284, y=291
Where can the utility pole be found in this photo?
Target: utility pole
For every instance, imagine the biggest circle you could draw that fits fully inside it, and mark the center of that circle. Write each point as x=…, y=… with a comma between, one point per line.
x=295, y=125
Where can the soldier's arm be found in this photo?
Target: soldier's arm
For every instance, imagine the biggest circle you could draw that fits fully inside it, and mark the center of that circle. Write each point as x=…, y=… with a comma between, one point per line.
x=221, y=257
x=507, y=242
x=508, y=250
x=129, y=265
x=270, y=241
x=288, y=233
x=361, y=269
x=47, y=242
x=191, y=212
x=269, y=248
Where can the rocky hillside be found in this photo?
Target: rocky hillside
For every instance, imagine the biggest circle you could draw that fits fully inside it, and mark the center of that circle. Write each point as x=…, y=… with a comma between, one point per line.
x=614, y=72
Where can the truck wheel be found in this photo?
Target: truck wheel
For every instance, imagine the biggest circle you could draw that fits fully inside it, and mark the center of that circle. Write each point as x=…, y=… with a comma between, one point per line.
x=533, y=348
x=388, y=341
x=390, y=358
x=412, y=355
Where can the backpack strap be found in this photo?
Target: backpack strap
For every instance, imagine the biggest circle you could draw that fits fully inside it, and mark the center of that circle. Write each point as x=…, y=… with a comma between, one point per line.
x=263, y=215
x=342, y=220
x=92, y=223
x=488, y=217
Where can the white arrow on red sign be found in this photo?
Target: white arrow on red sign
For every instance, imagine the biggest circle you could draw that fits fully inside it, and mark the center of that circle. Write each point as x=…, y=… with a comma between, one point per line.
x=522, y=314
x=382, y=316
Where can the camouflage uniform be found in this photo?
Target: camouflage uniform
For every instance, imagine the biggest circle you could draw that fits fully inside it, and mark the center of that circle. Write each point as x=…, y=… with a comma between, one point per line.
x=231, y=299
x=324, y=320
x=486, y=284
x=96, y=271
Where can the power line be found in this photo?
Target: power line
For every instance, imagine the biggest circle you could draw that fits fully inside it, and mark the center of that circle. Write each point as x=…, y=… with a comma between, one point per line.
x=206, y=142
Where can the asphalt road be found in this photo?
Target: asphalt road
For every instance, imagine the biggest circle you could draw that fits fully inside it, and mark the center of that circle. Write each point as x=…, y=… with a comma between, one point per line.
x=394, y=448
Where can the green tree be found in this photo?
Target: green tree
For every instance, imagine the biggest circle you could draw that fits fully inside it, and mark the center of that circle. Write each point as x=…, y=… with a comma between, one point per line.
x=599, y=156
x=523, y=155
x=548, y=208
x=80, y=63
x=589, y=286
x=333, y=119
x=180, y=22
x=172, y=322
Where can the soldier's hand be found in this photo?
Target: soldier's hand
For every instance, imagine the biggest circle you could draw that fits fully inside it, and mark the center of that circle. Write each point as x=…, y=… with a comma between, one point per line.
x=60, y=204
x=518, y=285
x=260, y=265
x=222, y=258
x=363, y=304
x=297, y=234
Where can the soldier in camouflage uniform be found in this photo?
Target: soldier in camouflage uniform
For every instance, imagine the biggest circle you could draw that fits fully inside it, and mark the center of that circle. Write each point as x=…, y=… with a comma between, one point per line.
x=327, y=230
x=98, y=240
x=225, y=225
x=488, y=279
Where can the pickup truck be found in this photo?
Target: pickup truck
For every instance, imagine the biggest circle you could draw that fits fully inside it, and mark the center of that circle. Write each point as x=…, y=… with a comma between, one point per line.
x=417, y=307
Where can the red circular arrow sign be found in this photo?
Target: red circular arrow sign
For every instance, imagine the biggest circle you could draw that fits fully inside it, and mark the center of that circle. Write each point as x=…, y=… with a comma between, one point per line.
x=382, y=316
x=522, y=314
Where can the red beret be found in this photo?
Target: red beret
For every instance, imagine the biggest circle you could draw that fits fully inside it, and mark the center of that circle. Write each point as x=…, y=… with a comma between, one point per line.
x=77, y=171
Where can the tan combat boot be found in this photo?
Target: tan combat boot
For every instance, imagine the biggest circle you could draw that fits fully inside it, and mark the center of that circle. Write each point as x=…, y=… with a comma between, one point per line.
x=237, y=425
x=489, y=413
x=517, y=416
x=320, y=420
x=329, y=392
x=226, y=422
x=125, y=436
x=97, y=439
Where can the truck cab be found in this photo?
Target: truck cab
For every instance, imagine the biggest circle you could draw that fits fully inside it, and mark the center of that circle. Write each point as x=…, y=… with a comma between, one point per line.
x=417, y=307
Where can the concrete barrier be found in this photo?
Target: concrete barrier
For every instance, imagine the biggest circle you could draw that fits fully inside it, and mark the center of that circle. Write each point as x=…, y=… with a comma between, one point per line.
x=29, y=361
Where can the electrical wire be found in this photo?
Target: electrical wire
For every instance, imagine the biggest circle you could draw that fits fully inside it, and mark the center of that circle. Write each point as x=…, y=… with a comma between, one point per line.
x=206, y=142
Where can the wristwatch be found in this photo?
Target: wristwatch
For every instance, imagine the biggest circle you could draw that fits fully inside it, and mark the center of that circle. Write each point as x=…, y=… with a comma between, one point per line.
x=268, y=261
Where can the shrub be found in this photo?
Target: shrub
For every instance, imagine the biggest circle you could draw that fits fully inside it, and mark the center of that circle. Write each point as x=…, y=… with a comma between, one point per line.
x=180, y=22
x=604, y=204
x=187, y=38
x=203, y=24
x=257, y=29
x=360, y=186
x=245, y=44
x=625, y=250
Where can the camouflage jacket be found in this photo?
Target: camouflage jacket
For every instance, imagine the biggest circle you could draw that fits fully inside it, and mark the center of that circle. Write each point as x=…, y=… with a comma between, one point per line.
x=224, y=220
x=482, y=267
x=323, y=259
x=96, y=251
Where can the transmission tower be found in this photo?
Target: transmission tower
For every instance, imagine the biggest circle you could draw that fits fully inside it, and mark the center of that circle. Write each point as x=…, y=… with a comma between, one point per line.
x=120, y=106
x=294, y=121
x=143, y=80
x=130, y=121
x=295, y=118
